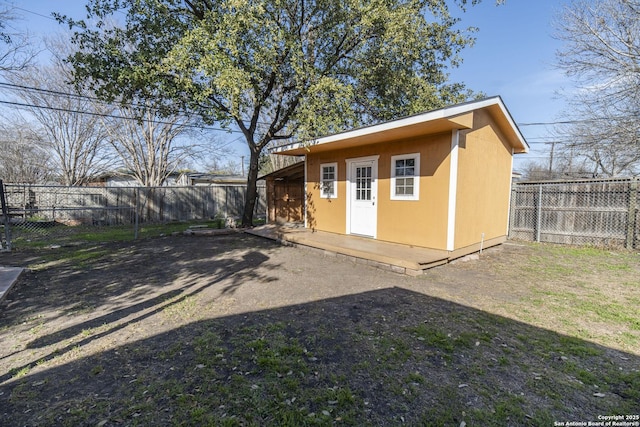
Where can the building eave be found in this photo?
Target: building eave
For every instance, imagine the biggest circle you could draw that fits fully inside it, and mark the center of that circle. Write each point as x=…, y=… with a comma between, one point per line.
x=446, y=119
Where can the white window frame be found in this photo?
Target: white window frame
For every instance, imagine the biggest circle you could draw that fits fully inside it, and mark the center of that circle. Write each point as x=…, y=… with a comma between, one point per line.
x=416, y=177
x=334, y=194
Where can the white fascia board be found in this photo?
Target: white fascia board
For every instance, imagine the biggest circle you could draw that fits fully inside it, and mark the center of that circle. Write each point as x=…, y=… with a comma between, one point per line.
x=407, y=121
x=304, y=197
x=397, y=124
x=453, y=190
x=513, y=125
x=442, y=113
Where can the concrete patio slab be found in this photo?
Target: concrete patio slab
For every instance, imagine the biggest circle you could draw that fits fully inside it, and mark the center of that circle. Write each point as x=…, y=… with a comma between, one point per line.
x=8, y=277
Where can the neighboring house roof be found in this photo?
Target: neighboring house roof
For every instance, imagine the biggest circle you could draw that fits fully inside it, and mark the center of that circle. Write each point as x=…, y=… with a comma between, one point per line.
x=124, y=174
x=123, y=179
x=197, y=178
x=459, y=116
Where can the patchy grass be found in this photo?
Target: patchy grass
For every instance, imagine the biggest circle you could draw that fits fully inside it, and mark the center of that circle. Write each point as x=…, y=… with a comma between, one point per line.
x=61, y=235
x=526, y=337
x=591, y=293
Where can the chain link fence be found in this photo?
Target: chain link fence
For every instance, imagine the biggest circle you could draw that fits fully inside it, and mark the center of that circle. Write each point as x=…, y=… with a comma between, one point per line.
x=593, y=212
x=49, y=213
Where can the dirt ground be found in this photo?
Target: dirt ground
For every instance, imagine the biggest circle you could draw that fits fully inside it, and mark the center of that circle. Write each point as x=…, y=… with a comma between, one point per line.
x=84, y=324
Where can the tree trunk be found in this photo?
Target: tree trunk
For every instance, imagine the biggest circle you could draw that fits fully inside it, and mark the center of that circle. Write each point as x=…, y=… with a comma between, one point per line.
x=252, y=188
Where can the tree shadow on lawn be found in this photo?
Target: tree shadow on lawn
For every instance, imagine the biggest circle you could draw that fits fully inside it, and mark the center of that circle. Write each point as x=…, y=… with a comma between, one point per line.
x=382, y=357
x=120, y=274
x=193, y=276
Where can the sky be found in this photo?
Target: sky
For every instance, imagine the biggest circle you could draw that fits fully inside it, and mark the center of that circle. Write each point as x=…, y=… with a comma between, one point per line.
x=513, y=57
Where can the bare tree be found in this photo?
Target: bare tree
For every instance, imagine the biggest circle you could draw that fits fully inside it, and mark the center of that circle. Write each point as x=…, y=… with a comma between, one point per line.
x=16, y=51
x=62, y=119
x=149, y=145
x=605, y=146
x=224, y=167
x=22, y=160
x=563, y=168
x=602, y=55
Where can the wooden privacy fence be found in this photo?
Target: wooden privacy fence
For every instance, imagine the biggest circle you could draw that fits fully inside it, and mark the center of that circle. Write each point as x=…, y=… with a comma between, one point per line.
x=45, y=213
x=124, y=205
x=593, y=212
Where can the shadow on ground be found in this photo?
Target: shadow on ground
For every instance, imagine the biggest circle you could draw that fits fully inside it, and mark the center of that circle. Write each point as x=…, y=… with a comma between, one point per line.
x=126, y=278
x=383, y=357
x=83, y=302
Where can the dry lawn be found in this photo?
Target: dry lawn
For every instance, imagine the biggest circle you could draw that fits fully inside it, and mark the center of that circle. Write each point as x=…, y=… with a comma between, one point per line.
x=235, y=330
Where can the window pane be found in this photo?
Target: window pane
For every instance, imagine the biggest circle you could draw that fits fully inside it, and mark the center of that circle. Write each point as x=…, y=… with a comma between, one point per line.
x=404, y=177
x=327, y=181
x=328, y=172
x=329, y=187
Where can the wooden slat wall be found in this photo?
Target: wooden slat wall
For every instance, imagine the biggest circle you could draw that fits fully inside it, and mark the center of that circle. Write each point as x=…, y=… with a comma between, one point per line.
x=598, y=212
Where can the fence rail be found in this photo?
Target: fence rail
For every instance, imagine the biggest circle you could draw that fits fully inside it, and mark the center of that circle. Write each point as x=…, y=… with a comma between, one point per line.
x=594, y=212
x=36, y=210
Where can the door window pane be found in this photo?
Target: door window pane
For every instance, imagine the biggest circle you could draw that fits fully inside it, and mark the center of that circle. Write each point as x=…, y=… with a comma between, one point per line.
x=363, y=183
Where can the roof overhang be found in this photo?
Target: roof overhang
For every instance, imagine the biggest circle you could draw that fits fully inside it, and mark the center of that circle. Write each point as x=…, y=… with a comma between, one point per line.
x=430, y=123
x=294, y=171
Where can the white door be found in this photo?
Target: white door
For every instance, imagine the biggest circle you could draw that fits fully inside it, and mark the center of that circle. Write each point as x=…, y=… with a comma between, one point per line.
x=363, y=215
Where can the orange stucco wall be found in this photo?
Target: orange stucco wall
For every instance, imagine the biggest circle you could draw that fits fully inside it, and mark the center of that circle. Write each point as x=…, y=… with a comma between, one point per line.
x=482, y=196
x=421, y=223
x=484, y=182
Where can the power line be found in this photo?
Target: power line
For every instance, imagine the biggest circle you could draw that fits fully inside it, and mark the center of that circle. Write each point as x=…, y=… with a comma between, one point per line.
x=49, y=91
x=14, y=86
x=94, y=98
x=572, y=122
x=112, y=116
x=47, y=16
x=34, y=13
x=70, y=95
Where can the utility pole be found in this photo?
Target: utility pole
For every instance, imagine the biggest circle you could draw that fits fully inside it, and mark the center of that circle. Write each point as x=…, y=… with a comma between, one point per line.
x=553, y=144
x=242, y=164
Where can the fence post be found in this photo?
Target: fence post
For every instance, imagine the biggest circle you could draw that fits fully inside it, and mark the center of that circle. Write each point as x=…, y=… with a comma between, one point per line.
x=5, y=217
x=631, y=217
x=136, y=208
x=512, y=198
x=538, y=213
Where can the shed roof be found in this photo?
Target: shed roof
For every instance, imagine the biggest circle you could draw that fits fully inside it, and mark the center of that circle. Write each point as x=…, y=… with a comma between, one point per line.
x=293, y=171
x=436, y=121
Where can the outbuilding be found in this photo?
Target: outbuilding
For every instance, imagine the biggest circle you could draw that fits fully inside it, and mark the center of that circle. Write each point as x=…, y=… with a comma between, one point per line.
x=438, y=180
x=285, y=194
